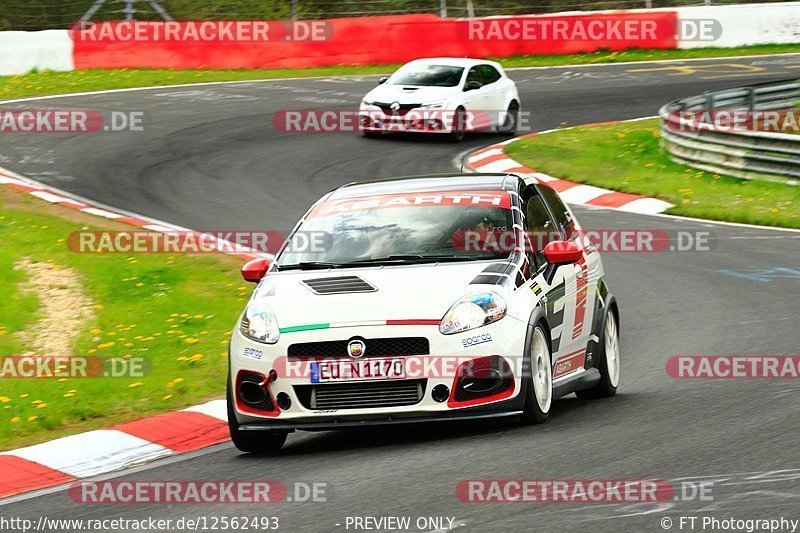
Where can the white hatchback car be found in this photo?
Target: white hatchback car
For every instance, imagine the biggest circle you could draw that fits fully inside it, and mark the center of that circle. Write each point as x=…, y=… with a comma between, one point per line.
x=442, y=95
x=435, y=298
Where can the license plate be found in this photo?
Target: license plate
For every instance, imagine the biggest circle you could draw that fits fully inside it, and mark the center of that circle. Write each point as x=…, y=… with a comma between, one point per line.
x=351, y=370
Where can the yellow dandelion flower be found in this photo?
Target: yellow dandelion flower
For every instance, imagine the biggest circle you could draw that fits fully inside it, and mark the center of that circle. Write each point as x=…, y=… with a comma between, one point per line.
x=41, y=406
x=191, y=340
x=167, y=397
x=15, y=420
x=32, y=418
x=134, y=385
x=96, y=331
x=4, y=399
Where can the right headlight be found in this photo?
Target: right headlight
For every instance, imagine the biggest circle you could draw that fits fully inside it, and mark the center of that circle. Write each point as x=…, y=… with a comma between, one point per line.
x=473, y=311
x=259, y=323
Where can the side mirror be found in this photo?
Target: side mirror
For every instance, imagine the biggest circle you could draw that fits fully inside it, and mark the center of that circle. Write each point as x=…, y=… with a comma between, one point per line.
x=383, y=80
x=255, y=269
x=472, y=86
x=562, y=252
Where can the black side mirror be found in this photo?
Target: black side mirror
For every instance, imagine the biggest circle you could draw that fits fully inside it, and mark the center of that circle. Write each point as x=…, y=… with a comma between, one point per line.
x=383, y=80
x=472, y=86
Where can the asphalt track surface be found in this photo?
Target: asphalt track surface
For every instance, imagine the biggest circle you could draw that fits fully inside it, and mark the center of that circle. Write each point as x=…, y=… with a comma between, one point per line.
x=210, y=159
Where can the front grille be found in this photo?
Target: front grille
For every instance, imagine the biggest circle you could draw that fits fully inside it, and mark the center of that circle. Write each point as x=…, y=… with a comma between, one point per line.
x=338, y=285
x=361, y=395
x=404, y=108
x=389, y=347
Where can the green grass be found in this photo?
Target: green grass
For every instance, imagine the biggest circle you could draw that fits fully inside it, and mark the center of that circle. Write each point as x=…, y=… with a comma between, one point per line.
x=44, y=83
x=176, y=312
x=627, y=157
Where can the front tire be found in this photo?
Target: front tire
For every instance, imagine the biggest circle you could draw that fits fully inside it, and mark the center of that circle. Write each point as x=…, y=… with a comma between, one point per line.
x=510, y=124
x=252, y=441
x=609, y=362
x=539, y=379
x=459, y=125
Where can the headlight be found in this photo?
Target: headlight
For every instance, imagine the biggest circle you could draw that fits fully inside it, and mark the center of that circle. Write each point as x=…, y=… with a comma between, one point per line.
x=473, y=311
x=365, y=103
x=259, y=323
x=441, y=104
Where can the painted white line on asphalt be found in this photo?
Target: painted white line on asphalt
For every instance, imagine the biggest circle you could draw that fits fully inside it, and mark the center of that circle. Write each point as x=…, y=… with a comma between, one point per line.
x=92, y=453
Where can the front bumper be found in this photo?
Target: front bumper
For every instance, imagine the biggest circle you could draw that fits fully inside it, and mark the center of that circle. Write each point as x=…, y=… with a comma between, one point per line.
x=415, y=121
x=505, y=341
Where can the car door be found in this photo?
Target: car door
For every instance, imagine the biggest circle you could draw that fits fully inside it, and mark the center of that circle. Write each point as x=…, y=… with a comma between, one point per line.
x=559, y=288
x=495, y=92
x=587, y=272
x=476, y=101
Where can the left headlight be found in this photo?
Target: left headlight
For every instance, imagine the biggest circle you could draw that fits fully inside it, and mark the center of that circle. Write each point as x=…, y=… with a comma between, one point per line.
x=365, y=103
x=259, y=323
x=473, y=311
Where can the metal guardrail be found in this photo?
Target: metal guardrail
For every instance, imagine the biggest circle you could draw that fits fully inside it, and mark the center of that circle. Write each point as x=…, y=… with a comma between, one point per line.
x=737, y=152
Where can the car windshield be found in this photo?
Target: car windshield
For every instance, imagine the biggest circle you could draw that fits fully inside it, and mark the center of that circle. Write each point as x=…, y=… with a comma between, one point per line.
x=397, y=235
x=427, y=76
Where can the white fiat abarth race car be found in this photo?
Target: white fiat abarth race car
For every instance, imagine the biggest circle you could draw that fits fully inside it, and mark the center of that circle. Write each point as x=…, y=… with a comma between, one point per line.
x=431, y=298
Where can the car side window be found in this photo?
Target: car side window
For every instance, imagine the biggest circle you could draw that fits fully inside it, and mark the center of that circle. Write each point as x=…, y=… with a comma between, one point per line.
x=490, y=74
x=564, y=222
x=539, y=227
x=474, y=75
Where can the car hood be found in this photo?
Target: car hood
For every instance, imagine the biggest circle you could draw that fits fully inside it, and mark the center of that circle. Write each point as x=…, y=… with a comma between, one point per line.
x=405, y=94
x=404, y=292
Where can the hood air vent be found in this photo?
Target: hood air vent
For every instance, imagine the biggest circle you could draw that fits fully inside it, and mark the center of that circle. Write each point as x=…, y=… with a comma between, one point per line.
x=338, y=285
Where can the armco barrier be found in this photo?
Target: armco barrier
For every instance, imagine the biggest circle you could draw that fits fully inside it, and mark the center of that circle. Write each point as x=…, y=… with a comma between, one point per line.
x=735, y=152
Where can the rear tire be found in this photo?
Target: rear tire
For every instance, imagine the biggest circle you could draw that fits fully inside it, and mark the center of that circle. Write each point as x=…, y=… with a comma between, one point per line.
x=252, y=441
x=609, y=362
x=538, y=379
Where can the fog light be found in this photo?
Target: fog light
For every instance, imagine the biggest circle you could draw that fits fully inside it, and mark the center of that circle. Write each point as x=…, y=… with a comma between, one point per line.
x=284, y=402
x=440, y=393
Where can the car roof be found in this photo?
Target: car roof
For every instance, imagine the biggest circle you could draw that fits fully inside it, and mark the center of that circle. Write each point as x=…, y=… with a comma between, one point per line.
x=454, y=61
x=426, y=184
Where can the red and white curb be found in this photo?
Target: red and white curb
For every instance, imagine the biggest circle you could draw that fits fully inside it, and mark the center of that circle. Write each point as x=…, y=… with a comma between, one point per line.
x=493, y=159
x=105, y=450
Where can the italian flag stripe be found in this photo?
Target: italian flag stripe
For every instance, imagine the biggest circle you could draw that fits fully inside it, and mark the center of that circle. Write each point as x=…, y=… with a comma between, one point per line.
x=401, y=322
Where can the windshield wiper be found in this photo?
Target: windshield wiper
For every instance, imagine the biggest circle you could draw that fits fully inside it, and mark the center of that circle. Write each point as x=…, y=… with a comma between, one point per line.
x=309, y=265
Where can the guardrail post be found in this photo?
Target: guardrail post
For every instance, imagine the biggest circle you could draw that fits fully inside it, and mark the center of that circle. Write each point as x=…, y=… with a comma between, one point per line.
x=710, y=101
x=751, y=98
